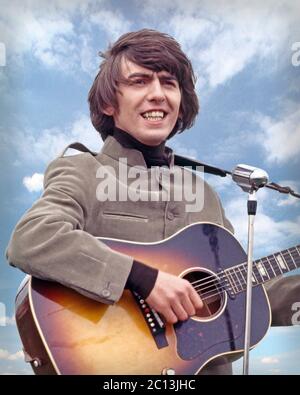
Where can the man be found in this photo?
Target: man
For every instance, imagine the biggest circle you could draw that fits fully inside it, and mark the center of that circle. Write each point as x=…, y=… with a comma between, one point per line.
x=143, y=94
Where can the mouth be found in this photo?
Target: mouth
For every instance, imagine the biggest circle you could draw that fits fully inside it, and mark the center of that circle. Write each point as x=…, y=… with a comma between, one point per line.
x=153, y=116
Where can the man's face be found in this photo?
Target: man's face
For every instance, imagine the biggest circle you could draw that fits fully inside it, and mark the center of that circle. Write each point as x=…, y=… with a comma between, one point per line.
x=148, y=103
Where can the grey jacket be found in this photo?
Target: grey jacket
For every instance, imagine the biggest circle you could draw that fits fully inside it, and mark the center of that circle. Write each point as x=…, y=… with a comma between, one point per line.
x=56, y=238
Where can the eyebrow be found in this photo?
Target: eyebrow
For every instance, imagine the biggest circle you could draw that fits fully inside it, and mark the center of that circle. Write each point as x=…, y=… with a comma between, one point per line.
x=149, y=76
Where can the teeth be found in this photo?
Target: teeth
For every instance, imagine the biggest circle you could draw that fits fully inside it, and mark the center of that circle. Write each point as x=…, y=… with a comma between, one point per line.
x=153, y=115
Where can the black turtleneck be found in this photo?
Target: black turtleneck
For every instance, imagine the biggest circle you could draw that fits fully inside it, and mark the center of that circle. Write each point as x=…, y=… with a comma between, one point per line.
x=153, y=155
x=142, y=277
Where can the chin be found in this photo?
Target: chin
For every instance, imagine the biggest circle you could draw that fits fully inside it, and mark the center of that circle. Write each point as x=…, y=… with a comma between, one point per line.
x=153, y=142
x=154, y=139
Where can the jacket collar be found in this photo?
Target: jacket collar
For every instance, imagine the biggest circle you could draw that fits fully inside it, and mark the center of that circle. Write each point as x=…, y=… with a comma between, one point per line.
x=112, y=151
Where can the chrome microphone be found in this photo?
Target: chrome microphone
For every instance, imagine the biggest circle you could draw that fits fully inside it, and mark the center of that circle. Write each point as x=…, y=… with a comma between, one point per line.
x=249, y=178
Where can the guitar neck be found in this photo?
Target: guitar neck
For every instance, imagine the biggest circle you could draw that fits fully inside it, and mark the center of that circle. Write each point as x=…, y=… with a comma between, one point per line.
x=264, y=269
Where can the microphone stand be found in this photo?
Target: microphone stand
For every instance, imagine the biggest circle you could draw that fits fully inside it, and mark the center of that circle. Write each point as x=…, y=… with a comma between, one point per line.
x=250, y=179
x=251, y=206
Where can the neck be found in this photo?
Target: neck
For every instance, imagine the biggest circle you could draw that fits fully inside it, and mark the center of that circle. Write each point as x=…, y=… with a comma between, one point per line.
x=153, y=155
x=264, y=269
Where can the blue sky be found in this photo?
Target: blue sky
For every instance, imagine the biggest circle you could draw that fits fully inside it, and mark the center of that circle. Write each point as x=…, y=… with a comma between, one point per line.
x=248, y=88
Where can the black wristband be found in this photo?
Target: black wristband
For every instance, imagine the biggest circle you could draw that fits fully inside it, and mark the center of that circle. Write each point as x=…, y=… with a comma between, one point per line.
x=141, y=279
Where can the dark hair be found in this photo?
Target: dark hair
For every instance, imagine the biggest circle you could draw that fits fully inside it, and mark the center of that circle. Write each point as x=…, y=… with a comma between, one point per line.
x=150, y=49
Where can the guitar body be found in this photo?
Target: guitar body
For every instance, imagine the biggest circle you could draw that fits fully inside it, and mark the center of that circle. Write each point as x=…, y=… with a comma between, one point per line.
x=71, y=334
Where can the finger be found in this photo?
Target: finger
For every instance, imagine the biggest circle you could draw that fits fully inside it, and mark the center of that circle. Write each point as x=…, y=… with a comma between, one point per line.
x=188, y=306
x=180, y=311
x=195, y=299
x=169, y=316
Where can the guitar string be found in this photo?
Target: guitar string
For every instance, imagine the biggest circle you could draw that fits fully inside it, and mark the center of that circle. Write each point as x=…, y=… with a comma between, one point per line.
x=213, y=280
x=210, y=296
x=205, y=295
x=241, y=266
x=219, y=288
x=267, y=259
x=237, y=284
x=234, y=269
x=219, y=275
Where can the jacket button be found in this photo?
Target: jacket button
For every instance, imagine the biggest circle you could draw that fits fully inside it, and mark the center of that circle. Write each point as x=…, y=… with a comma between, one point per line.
x=170, y=215
x=106, y=293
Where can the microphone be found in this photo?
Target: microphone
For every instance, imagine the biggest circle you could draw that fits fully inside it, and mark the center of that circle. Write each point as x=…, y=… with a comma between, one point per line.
x=249, y=178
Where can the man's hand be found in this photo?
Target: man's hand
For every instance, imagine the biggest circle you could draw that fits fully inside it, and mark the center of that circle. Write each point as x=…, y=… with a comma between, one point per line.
x=174, y=298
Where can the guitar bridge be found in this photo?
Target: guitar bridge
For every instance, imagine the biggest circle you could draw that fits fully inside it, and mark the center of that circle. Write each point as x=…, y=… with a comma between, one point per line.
x=154, y=322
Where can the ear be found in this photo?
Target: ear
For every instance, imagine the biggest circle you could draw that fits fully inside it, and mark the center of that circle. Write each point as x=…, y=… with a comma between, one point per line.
x=109, y=110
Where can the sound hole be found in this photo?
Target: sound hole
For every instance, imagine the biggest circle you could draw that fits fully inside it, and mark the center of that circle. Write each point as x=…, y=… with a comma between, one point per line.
x=208, y=287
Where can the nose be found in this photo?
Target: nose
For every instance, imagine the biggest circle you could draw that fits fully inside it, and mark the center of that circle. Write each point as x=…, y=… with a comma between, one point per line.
x=156, y=91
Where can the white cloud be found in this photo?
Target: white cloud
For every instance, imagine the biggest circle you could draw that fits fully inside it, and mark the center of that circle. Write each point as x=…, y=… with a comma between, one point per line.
x=229, y=147
x=179, y=148
x=239, y=39
x=288, y=200
x=4, y=320
x=270, y=360
x=195, y=28
x=34, y=183
x=6, y=355
x=44, y=32
x=222, y=38
x=219, y=183
x=281, y=138
x=117, y=25
x=88, y=59
x=49, y=143
x=277, y=353
x=286, y=361
x=82, y=130
x=276, y=138
x=57, y=33
x=270, y=235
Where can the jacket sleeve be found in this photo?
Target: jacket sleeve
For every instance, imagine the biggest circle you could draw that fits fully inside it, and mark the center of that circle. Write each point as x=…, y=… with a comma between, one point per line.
x=284, y=294
x=50, y=242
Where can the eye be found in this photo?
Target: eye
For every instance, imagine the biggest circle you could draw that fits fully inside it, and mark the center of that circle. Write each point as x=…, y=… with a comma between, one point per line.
x=170, y=83
x=139, y=82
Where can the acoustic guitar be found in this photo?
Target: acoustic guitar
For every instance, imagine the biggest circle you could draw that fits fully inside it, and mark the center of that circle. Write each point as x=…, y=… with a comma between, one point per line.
x=64, y=332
